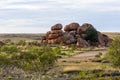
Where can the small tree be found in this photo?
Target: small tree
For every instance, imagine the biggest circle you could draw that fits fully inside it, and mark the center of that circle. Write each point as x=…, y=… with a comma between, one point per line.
x=113, y=53
x=91, y=35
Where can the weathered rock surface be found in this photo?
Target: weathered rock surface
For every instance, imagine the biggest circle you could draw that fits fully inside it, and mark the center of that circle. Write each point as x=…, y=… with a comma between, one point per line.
x=73, y=34
x=82, y=43
x=83, y=28
x=71, y=27
x=103, y=39
x=68, y=38
x=56, y=27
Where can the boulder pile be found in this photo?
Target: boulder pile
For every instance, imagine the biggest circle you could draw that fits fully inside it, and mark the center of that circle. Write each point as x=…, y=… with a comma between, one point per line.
x=73, y=33
x=55, y=36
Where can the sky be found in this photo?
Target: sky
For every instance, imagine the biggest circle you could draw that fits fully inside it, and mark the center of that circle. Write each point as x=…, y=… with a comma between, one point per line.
x=37, y=16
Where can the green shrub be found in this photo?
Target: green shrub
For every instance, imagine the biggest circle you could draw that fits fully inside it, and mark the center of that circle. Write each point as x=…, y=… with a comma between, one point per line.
x=91, y=35
x=4, y=58
x=35, y=58
x=57, y=50
x=48, y=56
x=7, y=40
x=113, y=53
x=9, y=48
x=21, y=42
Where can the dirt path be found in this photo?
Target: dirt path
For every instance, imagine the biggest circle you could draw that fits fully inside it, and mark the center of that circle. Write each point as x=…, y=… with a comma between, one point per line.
x=85, y=55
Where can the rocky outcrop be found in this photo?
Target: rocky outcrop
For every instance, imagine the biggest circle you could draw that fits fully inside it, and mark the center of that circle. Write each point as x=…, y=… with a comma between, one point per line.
x=68, y=38
x=56, y=27
x=43, y=40
x=82, y=29
x=103, y=39
x=82, y=43
x=73, y=34
x=71, y=27
x=55, y=36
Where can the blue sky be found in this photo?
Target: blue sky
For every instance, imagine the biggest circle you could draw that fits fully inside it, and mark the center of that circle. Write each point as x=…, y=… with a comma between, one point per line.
x=36, y=16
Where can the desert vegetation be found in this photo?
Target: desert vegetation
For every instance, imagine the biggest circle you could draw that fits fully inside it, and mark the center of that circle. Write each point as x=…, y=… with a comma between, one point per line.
x=48, y=58
x=46, y=62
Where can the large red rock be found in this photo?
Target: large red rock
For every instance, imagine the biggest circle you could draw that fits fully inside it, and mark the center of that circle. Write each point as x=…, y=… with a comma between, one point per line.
x=53, y=36
x=103, y=39
x=83, y=28
x=56, y=32
x=56, y=27
x=74, y=34
x=55, y=41
x=71, y=27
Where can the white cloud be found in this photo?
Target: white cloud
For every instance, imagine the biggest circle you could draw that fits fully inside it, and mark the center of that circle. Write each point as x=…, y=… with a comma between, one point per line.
x=87, y=2
x=92, y=5
x=24, y=14
x=27, y=7
x=89, y=5
x=12, y=4
x=16, y=22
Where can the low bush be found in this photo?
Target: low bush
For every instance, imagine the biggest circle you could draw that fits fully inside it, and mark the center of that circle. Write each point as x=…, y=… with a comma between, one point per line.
x=113, y=53
x=9, y=49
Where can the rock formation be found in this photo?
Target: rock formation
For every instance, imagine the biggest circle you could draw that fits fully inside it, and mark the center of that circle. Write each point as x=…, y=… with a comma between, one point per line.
x=73, y=34
x=55, y=36
x=71, y=27
x=103, y=39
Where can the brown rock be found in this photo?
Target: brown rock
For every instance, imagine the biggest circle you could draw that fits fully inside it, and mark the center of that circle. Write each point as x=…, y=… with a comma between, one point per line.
x=103, y=39
x=107, y=40
x=44, y=41
x=72, y=33
x=68, y=38
x=43, y=37
x=56, y=27
x=83, y=28
x=56, y=31
x=47, y=34
x=53, y=36
x=71, y=27
x=55, y=41
x=82, y=43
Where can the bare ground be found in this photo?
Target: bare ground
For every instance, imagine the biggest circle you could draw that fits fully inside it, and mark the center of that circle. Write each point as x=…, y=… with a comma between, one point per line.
x=85, y=55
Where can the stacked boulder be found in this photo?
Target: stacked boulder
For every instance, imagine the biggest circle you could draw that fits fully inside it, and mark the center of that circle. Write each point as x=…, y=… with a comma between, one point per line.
x=44, y=39
x=103, y=39
x=55, y=36
x=81, y=42
x=73, y=34
x=70, y=33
